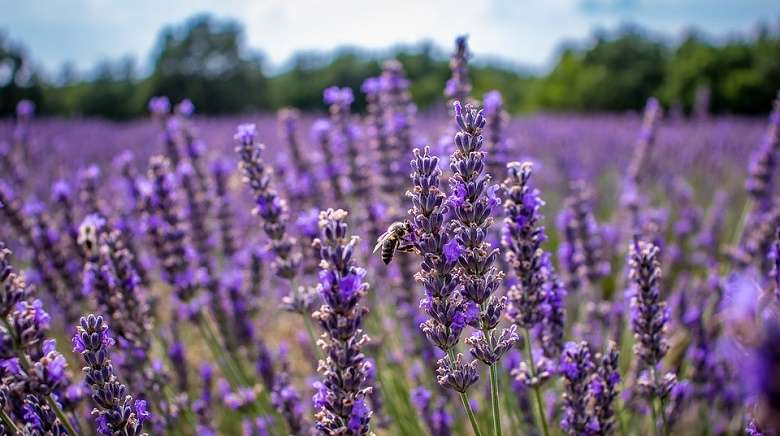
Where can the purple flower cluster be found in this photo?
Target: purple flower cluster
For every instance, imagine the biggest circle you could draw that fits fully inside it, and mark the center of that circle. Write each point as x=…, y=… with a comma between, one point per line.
x=447, y=310
x=472, y=201
x=649, y=313
x=168, y=235
x=523, y=236
x=391, y=113
x=302, y=176
x=33, y=372
x=116, y=411
x=272, y=209
x=576, y=368
x=763, y=164
x=342, y=395
x=582, y=251
x=109, y=275
x=497, y=143
x=458, y=87
x=604, y=388
x=649, y=318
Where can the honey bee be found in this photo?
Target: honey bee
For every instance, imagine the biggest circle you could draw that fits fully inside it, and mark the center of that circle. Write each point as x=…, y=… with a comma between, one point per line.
x=391, y=240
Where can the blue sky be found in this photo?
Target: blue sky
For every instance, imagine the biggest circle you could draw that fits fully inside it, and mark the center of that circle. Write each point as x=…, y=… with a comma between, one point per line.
x=526, y=32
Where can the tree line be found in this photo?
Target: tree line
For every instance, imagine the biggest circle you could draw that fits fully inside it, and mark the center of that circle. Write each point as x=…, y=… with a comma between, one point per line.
x=205, y=59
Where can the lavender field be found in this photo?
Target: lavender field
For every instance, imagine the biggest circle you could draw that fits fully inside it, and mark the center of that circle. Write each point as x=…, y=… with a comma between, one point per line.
x=395, y=272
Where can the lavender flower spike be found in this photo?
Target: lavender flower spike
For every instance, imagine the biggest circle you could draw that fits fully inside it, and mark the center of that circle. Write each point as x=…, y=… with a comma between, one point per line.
x=523, y=237
x=603, y=388
x=649, y=319
x=273, y=210
x=459, y=87
x=116, y=411
x=32, y=371
x=497, y=143
x=341, y=400
x=652, y=114
x=576, y=367
x=472, y=202
x=763, y=164
x=448, y=312
x=650, y=315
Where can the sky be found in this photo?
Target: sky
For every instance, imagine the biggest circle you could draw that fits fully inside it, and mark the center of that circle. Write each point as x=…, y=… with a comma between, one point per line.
x=524, y=32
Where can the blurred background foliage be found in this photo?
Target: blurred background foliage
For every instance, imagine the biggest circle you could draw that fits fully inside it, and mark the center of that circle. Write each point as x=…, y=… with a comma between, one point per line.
x=206, y=60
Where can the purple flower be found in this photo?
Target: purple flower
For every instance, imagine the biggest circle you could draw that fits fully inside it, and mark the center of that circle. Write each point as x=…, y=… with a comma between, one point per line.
x=61, y=189
x=576, y=367
x=492, y=102
x=458, y=87
x=320, y=398
x=11, y=365
x=523, y=236
x=320, y=129
x=452, y=251
x=371, y=86
x=25, y=109
x=458, y=195
x=159, y=106
x=185, y=108
x=270, y=206
x=492, y=195
x=350, y=285
x=93, y=342
x=341, y=319
x=421, y=397
x=339, y=96
x=358, y=417
x=245, y=133
x=140, y=410
x=650, y=314
x=307, y=223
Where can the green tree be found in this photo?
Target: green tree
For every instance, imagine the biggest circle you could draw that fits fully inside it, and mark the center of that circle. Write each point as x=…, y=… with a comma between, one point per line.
x=206, y=61
x=18, y=78
x=615, y=73
x=112, y=94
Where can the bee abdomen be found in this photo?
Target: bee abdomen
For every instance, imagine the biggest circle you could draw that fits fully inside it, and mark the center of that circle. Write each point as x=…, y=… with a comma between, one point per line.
x=388, y=249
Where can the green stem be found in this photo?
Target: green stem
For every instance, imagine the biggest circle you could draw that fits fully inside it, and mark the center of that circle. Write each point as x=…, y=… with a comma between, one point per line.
x=232, y=359
x=654, y=417
x=8, y=422
x=621, y=415
x=664, y=424
x=464, y=398
x=537, y=392
x=216, y=352
x=704, y=419
x=742, y=221
x=262, y=404
x=228, y=368
x=312, y=336
x=309, y=327
x=494, y=400
x=61, y=415
x=493, y=388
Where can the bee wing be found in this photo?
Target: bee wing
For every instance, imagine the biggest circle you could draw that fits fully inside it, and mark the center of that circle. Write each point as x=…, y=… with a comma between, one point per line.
x=379, y=241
